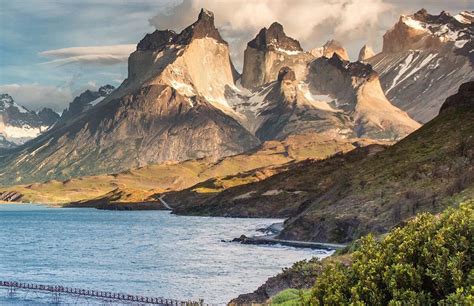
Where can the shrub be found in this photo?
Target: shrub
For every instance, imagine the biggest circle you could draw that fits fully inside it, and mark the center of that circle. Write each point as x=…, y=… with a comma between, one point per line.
x=291, y=297
x=428, y=261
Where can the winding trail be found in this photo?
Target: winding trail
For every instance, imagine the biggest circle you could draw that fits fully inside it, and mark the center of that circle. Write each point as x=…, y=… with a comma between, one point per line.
x=164, y=203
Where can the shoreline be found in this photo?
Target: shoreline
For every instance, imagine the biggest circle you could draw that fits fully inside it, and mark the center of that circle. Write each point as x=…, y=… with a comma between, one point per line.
x=270, y=239
x=273, y=230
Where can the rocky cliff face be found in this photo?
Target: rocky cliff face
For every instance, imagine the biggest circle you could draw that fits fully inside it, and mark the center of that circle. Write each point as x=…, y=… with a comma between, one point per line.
x=357, y=92
x=267, y=53
x=312, y=93
x=337, y=98
x=425, y=58
x=18, y=124
x=167, y=109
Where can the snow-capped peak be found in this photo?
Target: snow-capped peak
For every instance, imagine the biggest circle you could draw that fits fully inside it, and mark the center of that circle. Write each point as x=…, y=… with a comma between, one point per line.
x=6, y=101
x=413, y=23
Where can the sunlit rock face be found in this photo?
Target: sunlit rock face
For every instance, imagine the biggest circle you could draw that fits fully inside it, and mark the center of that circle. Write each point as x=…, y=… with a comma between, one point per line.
x=268, y=52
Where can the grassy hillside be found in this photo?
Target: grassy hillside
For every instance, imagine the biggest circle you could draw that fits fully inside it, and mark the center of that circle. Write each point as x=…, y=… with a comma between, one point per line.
x=138, y=185
x=427, y=261
x=366, y=190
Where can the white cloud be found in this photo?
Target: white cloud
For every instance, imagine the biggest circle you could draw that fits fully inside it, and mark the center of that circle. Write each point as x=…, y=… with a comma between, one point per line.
x=97, y=55
x=35, y=96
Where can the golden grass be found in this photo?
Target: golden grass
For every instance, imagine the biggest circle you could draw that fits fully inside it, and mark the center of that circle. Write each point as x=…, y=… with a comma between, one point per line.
x=144, y=181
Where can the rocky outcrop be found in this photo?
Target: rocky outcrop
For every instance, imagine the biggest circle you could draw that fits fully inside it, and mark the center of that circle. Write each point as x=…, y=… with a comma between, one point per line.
x=269, y=51
x=365, y=53
x=18, y=124
x=178, y=60
x=302, y=275
x=330, y=48
x=10, y=196
x=48, y=117
x=425, y=58
x=156, y=41
x=463, y=99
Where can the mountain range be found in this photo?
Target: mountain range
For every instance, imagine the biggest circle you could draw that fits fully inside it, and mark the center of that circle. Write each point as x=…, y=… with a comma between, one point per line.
x=168, y=110
x=169, y=116
x=338, y=148
x=18, y=124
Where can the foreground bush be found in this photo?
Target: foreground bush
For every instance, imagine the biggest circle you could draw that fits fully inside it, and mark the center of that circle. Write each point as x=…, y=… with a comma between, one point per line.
x=428, y=261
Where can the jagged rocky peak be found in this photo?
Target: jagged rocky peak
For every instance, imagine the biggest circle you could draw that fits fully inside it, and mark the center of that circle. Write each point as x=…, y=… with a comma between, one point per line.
x=6, y=101
x=202, y=28
x=181, y=60
x=466, y=17
x=331, y=47
x=48, y=117
x=365, y=53
x=160, y=39
x=425, y=31
x=335, y=47
x=464, y=98
x=353, y=69
x=85, y=101
x=275, y=39
x=268, y=52
x=18, y=124
x=156, y=41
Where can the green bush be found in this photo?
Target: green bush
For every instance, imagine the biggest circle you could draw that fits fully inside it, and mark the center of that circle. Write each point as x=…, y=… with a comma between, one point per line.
x=428, y=261
x=291, y=297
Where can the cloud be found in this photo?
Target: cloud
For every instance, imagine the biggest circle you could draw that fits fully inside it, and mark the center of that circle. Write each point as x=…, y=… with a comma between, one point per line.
x=312, y=22
x=97, y=55
x=35, y=96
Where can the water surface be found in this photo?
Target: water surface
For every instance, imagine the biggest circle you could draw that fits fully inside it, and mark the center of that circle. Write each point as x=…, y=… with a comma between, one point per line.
x=152, y=253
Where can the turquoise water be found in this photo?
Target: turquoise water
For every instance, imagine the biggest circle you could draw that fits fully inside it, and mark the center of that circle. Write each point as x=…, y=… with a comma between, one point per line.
x=151, y=253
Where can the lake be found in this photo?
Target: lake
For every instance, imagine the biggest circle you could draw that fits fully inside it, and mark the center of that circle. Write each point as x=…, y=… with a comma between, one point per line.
x=151, y=253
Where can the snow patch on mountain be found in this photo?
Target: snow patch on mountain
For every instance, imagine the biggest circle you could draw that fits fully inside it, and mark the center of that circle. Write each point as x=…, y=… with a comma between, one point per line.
x=289, y=52
x=18, y=135
x=182, y=88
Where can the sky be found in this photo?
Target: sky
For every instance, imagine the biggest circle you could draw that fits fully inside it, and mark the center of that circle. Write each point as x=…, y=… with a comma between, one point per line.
x=52, y=50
